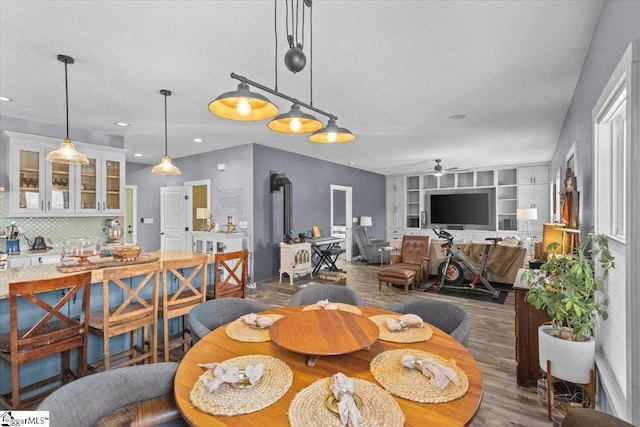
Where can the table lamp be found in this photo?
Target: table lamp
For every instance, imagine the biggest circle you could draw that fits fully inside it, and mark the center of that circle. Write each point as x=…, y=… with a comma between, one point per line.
x=203, y=214
x=366, y=221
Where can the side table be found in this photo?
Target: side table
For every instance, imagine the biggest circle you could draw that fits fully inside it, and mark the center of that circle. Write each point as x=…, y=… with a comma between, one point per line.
x=386, y=250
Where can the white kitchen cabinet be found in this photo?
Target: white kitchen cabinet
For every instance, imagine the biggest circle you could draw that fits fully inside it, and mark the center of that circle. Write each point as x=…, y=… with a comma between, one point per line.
x=37, y=187
x=41, y=188
x=101, y=183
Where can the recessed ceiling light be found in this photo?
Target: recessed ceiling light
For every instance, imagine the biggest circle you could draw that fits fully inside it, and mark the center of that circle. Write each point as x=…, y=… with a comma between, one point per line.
x=458, y=117
x=123, y=124
x=198, y=140
x=138, y=154
x=5, y=99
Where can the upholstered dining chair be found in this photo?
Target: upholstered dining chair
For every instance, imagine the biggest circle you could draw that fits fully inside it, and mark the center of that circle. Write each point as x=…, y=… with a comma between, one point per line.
x=146, y=389
x=334, y=293
x=211, y=314
x=444, y=315
x=587, y=417
x=44, y=321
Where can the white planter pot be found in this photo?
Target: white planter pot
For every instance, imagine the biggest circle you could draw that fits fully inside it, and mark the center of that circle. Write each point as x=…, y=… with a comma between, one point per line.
x=570, y=360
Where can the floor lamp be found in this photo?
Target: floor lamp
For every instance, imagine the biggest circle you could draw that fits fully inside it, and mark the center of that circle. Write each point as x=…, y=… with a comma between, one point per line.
x=527, y=215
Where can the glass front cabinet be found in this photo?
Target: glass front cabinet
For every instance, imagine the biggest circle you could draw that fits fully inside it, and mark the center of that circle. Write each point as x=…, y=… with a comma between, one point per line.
x=41, y=188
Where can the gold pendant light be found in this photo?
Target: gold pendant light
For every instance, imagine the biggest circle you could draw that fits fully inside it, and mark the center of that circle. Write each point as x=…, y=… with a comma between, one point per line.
x=295, y=121
x=67, y=153
x=243, y=105
x=332, y=133
x=165, y=167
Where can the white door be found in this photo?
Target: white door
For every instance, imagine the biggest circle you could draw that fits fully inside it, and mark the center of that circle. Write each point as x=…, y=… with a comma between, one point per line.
x=173, y=234
x=341, y=216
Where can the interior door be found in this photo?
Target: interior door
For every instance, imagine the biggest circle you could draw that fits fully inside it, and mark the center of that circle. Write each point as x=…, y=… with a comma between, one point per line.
x=173, y=235
x=341, y=216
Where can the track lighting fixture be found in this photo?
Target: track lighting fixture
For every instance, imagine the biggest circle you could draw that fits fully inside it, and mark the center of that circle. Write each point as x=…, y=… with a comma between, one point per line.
x=67, y=152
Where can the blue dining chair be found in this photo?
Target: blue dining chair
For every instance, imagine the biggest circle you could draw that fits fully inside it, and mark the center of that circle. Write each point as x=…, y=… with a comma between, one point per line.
x=211, y=314
x=334, y=293
x=444, y=315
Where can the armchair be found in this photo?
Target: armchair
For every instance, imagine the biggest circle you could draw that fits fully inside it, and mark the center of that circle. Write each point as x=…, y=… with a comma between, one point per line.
x=411, y=266
x=369, y=248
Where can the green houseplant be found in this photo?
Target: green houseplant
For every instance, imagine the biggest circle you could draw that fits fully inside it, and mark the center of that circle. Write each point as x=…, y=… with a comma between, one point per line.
x=566, y=288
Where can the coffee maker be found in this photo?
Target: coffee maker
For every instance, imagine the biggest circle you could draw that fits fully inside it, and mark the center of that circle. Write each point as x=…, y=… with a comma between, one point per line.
x=113, y=230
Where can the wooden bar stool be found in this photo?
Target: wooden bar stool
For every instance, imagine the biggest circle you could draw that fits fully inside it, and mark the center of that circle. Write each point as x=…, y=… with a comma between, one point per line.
x=190, y=290
x=136, y=310
x=53, y=332
x=229, y=274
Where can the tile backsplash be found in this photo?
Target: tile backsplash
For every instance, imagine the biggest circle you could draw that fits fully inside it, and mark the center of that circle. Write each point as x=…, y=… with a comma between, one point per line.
x=58, y=229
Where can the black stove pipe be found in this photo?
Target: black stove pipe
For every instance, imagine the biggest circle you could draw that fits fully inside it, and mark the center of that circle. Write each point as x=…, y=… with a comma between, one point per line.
x=279, y=180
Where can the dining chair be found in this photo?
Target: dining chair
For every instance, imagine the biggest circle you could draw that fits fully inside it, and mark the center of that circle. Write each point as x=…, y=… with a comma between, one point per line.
x=135, y=310
x=229, y=274
x=334, y=293
x=449, y=317
x=583, y=417
x=146, y=391
x=59, y=327
x=211, y=314
x=184, y=285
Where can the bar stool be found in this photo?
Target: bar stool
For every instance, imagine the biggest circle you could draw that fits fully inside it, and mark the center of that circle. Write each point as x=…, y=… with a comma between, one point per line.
x=189, y=291
x=131, y=314
x=229, y=275
x=53, y=332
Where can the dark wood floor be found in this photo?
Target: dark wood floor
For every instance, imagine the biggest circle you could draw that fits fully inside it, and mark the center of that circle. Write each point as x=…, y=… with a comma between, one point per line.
x=491, y=342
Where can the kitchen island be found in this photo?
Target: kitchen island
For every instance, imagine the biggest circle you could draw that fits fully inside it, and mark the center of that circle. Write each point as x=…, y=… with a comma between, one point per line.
x=34, y=371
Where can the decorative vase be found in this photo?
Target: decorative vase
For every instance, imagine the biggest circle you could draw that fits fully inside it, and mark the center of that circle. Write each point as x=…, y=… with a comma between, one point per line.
x=570, y=360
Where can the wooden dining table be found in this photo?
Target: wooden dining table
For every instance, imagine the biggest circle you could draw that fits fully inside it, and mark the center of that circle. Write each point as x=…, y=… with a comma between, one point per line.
x=218, y=347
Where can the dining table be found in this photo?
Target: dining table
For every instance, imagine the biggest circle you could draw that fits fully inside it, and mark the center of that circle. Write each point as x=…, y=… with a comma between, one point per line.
x=356, y=363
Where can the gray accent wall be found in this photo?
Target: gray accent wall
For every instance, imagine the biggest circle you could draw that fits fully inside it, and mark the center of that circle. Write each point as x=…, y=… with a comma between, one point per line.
x=618, y=26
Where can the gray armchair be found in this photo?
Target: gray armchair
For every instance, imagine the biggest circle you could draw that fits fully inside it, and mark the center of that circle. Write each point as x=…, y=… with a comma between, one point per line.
x=369, y=248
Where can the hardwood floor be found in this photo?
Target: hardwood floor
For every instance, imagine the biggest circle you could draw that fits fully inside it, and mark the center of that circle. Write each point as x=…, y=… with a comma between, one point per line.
x=491, y=342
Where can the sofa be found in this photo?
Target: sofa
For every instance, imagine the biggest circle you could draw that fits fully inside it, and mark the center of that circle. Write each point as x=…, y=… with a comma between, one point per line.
x=502, y=266
x=369, y=247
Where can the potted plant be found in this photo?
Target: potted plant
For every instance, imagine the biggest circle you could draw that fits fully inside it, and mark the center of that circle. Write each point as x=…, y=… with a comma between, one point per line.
x=566, y=287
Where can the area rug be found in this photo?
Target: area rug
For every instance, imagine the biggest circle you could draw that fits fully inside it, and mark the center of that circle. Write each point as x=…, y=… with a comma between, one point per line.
x=469, y=294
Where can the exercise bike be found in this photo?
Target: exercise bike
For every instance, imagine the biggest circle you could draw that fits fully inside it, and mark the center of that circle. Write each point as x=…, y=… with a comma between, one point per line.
x=451, y=270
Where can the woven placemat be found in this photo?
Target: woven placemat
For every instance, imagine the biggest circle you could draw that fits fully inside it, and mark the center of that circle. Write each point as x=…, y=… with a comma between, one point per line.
x=240, y=331
x=341, y=306
x=379, y=408
x=412, y=384
x=404, y=336
x=227, y=400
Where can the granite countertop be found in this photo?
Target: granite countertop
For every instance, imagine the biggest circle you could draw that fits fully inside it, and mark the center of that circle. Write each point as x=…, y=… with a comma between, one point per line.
x=24, y=274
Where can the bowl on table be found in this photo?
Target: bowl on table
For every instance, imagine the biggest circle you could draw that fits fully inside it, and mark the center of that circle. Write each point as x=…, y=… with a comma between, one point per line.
x=126, y=253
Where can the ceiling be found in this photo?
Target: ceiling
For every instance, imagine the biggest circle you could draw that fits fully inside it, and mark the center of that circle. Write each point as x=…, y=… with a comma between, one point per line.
x=394, y=72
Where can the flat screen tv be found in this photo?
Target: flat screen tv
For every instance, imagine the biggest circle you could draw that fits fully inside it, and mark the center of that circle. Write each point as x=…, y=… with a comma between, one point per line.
x=461, y=209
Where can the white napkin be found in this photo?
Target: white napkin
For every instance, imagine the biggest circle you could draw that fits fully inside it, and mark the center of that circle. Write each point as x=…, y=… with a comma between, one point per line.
x=405, y=321
x=342, y=389
x=325, y=304
x=225, y=373
x=254, y=319
x=440, y=375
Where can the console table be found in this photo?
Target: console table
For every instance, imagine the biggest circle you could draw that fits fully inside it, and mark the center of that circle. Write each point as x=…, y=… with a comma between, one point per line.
x=527, y=321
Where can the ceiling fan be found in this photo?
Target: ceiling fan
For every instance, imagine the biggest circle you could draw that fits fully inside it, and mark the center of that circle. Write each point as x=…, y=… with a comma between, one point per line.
x=438, y=170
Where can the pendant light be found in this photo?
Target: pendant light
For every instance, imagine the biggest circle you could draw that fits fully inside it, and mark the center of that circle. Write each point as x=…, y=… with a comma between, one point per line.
x=332, y=133
x=67, y=153
x=243, y=105
x=295, y=121
x=165, y=167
